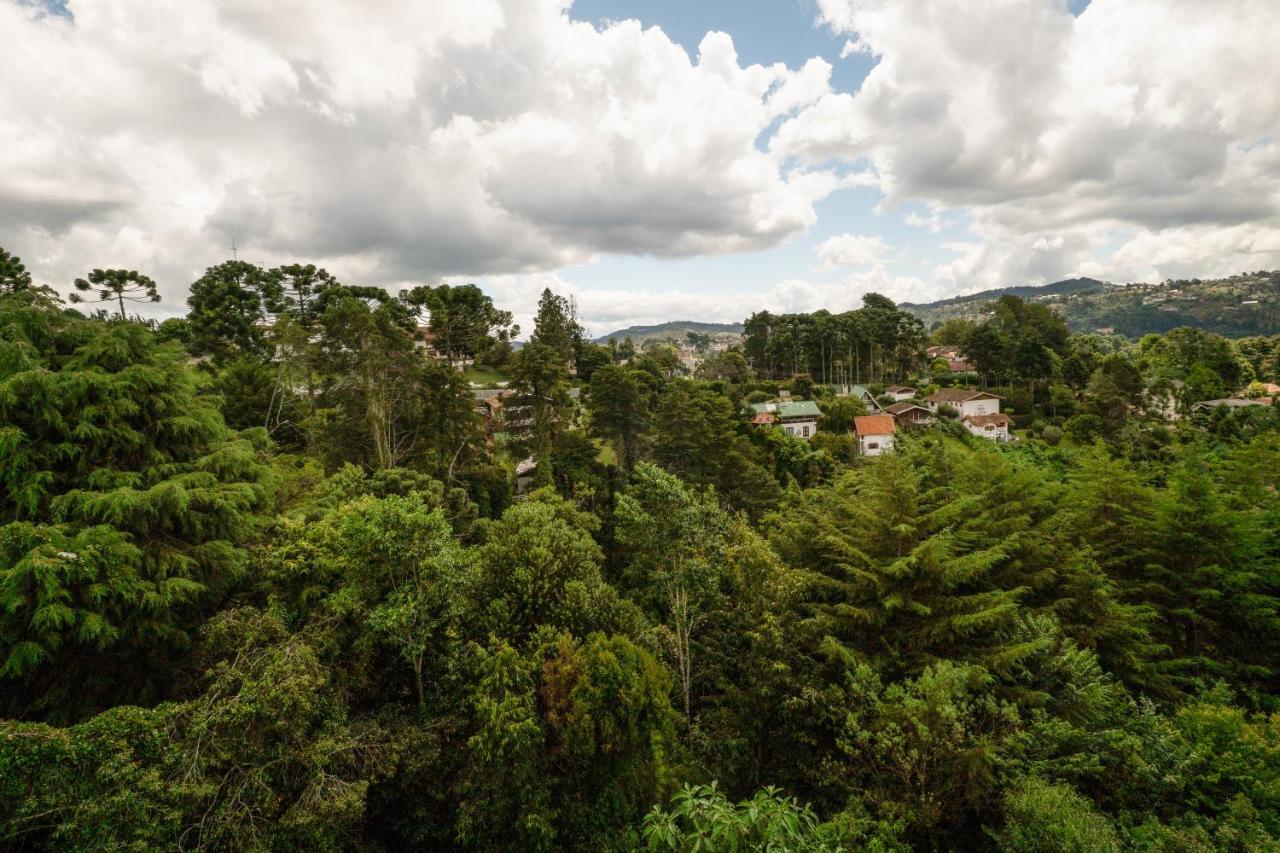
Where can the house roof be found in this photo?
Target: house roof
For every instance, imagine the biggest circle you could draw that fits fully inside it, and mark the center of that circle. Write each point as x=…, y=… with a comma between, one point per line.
x=874, y=425
x=987, y=420
x=760, y=408
x=798, y=409
x=960, y=395
x=1232, y=403
x=904, y=406
x=859, y=391
x=898, y=389
x=762, y=418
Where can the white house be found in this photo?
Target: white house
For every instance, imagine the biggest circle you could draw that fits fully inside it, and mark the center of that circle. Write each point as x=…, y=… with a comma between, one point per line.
x=900, y=393
x=795, y=417
x=875, y=433
x=799, y=418
x=994, y=427
x=965, y=400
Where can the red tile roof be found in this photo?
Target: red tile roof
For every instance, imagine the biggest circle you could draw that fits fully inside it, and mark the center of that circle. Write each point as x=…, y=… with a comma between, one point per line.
x=763, y=418
x=873, y=425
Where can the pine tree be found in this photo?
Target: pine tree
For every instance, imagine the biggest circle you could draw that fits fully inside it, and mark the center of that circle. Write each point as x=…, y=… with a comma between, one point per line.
x=907, y=573
x=123, y=500
x=13, y=274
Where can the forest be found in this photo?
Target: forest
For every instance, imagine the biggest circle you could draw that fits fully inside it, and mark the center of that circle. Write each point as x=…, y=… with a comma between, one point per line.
x=267, y=581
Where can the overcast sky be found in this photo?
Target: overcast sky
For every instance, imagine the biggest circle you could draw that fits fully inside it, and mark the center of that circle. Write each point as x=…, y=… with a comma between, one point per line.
x=657, y=159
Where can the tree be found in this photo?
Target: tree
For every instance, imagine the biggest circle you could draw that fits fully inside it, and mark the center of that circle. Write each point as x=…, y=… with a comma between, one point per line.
x=698, y=431
x=909, y=573
x=370, y=354
x=674, y=542
x=619, y=402
x=117, y=285
x=462, y=320
x=539, y=406
x=124, y=504
x=555, y=327
x=13, y=274
x=229, y=306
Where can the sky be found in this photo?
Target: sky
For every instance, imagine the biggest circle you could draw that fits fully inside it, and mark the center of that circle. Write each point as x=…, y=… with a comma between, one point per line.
x=653, y=159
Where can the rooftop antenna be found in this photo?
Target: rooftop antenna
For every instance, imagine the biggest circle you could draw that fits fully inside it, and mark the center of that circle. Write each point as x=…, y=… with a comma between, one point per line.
x=234, y=255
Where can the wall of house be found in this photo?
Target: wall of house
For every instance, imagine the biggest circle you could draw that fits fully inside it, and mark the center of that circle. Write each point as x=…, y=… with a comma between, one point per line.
x=801, y=429
x=995, y=433
x=984, y=406
x=874, y=445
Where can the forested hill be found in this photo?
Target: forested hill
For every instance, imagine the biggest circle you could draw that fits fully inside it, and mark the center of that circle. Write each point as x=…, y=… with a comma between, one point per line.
x=1026, y=291
x=672, y=329
x=1238, y=306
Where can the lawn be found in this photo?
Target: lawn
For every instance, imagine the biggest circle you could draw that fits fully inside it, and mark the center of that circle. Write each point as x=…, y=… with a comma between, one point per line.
x=485, y=376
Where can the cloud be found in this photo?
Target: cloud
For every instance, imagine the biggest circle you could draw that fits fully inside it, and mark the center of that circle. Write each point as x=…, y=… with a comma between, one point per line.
x=605, y=310
x=404, y=140
x=851, y=250
x=1064, y=128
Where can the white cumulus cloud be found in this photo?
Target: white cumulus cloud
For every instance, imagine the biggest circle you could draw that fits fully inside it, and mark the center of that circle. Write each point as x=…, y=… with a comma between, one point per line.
x=399, y=140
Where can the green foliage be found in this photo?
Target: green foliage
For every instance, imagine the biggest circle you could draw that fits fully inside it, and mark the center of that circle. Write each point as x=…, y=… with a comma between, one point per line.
x=335, y=631
x=13, y=274
x=1045, y=818
x=124, y=502
x=702, y=819
x=229, y=308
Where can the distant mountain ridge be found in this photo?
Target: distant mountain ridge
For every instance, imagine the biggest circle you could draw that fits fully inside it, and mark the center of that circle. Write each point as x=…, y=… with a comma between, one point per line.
x=1235, y=306
x=1025, y=291
x=673, y=328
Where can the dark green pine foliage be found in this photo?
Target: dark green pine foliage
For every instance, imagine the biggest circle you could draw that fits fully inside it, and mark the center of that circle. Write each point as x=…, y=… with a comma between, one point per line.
x=13, y=273
x=123, y=499
x=1217, y=591
x=908, y=572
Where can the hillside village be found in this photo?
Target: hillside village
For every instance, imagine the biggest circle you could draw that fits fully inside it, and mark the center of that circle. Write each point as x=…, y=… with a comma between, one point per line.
x=1236, y=306
x=965, y=375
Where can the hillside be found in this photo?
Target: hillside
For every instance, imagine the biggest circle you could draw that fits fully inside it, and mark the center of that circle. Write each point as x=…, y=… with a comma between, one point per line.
x=1237, y=306
x=672, y=329
x=1026, y=291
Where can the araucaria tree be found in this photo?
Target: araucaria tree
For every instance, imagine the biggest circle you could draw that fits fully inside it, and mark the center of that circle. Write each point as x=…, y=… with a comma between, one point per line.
x=117, y=286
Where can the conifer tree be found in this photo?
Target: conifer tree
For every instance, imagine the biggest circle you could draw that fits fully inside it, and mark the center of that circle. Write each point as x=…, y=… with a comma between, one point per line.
x=13, y=273
x=906, y=573
x=117, y=286
x=123, y=500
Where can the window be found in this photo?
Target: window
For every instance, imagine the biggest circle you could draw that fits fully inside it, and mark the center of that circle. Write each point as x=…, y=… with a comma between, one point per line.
x=871, y=445
x=806, y=432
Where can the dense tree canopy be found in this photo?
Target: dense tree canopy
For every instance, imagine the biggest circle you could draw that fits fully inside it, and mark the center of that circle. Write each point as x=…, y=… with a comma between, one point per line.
x=265, y=585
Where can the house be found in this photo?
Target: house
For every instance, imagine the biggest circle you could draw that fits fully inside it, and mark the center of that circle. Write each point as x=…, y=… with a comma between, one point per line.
x=910, y=414
x=994, y=427
x=899, y=392
x=951, y=355
x=796, y=417
x=1230, y=403
x=875, y=433
x=860, y=392
x=799, y=418
x=965, y=400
